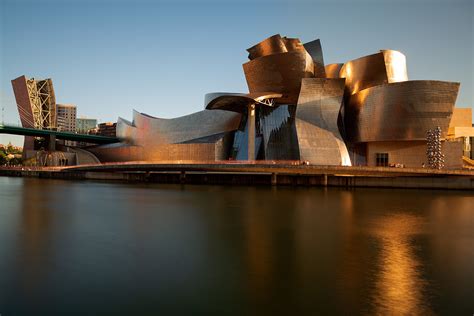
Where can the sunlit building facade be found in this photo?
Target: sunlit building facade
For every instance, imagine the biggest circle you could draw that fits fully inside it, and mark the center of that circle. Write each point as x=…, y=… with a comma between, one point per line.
x=66, y=116
x=362, y=112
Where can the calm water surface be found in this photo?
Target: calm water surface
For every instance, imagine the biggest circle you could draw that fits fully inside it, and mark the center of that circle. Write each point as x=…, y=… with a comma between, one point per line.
x=109, y=248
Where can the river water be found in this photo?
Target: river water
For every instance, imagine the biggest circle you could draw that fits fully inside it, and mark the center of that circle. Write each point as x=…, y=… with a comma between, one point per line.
x=92, y=248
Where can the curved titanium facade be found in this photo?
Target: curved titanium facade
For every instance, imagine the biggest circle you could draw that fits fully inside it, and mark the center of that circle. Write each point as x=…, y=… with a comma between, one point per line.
x=274, y=45
x=269, y=46
x=387, y=66
x=205, y=135
x=317, y=114
x=148, y=130
x=316, y=52
x=280, y=73
x=400, y=111
x=237, y=102
x=332, y=70
x=395, y=65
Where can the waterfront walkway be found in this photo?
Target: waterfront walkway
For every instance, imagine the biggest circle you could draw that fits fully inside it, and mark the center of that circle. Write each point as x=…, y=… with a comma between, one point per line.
x=247, y=173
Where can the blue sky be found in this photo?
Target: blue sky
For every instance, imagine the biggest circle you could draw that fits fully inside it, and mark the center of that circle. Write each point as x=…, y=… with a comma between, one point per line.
x=109, y=57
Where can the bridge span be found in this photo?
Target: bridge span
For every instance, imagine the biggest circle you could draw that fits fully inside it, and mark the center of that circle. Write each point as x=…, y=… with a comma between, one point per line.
x=24, y=131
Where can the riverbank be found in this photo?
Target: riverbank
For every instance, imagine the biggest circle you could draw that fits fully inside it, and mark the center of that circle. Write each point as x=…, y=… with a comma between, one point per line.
x=256, y=173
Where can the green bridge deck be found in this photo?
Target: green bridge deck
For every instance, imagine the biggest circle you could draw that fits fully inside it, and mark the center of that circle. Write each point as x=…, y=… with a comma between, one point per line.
x=95, y=139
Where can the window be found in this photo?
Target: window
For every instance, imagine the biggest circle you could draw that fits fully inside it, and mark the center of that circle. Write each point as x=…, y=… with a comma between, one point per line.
x=381, y=159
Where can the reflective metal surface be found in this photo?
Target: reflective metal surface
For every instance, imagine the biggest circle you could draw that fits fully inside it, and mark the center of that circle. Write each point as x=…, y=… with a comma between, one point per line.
x=272, y=45
x=387, y=66
x=298, y=108
x=316, y=122
x=316, y=52
x=396, y=66
x=332, y=70
x=400, y=111
x=278, y=64
x=280, y=73
x=152, y=130
x=238, y=102
x=199, y=136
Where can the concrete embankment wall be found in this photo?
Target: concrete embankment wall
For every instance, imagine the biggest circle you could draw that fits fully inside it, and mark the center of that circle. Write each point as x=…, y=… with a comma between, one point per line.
x=228, y=178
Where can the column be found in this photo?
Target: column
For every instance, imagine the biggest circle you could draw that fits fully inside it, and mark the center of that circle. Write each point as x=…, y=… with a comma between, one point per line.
x=251, y=132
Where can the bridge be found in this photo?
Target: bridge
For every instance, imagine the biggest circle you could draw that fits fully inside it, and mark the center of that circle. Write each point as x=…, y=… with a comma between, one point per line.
x=50, y=134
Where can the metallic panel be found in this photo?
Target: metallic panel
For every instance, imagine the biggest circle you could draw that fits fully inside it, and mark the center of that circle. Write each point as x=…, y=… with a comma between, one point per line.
x=317, y=114
x=237, y=102
x=274, y=45
x=269, y=46
x=118, y=152
x=387, y=66
x=151, y=131
x=292, y=43
x=396, y=66
x=280, y=73
x=204, y=135
x=316, y=52
x=23, y=102
x=332, y=70
x=400, y=111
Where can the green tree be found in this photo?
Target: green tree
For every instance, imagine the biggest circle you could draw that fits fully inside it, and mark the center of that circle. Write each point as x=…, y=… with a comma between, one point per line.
x=3, y=158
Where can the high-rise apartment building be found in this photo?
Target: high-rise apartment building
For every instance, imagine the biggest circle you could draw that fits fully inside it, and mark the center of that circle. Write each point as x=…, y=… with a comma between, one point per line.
x=66, y=117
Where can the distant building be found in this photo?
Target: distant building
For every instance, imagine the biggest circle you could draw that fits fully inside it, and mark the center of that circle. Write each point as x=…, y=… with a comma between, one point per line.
x=461, y=127
x=66, y=117
x=84, y=125
x=107, y=129
x=66, y=120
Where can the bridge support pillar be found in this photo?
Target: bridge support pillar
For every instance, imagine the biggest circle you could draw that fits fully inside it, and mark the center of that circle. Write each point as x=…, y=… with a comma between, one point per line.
x=51, y=142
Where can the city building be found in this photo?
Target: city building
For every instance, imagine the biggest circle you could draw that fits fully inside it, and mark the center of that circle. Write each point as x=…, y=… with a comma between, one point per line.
x=364, y=112
x=66, y=117
x=66, y=120
x=84, y=125
x=461, y=128
x=106, y=129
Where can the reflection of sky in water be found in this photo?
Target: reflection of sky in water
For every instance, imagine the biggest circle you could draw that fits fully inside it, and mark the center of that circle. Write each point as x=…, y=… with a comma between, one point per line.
x=120, y=248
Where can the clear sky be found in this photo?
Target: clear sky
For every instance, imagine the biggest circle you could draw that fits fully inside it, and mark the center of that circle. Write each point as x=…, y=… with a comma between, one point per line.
x=109, y=57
